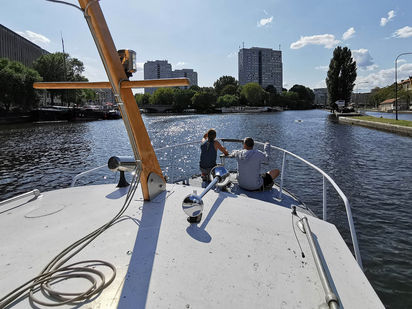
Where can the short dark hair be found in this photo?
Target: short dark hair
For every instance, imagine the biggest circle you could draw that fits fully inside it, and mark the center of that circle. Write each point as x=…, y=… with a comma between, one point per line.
x=248, y=141
x=211, y=134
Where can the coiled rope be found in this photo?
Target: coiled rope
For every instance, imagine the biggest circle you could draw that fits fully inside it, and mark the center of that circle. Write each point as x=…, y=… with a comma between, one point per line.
x=56, y=272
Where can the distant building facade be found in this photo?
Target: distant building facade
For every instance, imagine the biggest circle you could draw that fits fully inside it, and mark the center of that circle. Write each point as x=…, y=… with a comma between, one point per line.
x=17, y=48
x=188, y=73
x=262, y=66
x=105, y=97
x=321, y=97
x=162, y=69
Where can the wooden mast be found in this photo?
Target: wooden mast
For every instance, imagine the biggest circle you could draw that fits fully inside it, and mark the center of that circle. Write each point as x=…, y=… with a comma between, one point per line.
x=116, y=75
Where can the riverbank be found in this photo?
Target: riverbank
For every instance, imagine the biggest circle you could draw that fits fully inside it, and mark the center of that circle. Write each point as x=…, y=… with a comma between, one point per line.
x=395, y=126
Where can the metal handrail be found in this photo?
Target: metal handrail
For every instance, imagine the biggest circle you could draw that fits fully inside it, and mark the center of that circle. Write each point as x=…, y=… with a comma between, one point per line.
x=75, y=178
x=324, y=175
x=330, y=297
x=34, y=192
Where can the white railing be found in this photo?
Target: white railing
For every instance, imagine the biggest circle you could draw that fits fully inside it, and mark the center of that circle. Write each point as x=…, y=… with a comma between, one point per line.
x=34, y=192
x=286, y=153
x=75, y=178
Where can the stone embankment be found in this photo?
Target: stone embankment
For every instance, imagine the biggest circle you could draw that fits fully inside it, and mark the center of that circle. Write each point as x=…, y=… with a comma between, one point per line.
x=378, y=125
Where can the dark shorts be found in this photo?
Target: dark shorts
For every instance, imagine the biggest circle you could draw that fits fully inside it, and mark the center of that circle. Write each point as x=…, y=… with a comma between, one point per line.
x=267, y=179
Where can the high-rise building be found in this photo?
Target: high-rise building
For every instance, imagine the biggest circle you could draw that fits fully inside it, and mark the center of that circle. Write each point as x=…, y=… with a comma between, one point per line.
x=156, y=70
x=262, y=66
x=15, y=47
x=162, y=69
x=188, y=73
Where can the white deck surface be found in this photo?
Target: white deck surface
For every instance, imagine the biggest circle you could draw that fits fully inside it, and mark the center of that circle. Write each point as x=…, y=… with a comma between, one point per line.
x=242, y=255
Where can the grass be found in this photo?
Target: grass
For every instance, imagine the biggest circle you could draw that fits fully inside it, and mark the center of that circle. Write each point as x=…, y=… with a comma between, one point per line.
x=405, y=123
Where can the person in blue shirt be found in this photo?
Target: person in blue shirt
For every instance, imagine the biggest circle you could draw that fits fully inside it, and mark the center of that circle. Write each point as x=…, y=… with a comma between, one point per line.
x=208, y=153
x=248, y=163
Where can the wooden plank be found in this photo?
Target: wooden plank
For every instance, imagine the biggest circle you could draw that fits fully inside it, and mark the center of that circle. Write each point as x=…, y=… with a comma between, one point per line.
x=167, y=82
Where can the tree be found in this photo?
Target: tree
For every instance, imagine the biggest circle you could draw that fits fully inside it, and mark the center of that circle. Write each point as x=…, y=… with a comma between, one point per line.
x=162, y=96
x=142, y=99
x=229, y=89
x=305, y=96
x=16, y=85
x=58, y=67
x=271, y=89
x=253, y=93
x=204, y=101
x=182, y=99
x=224, y=81
x=341, y=75
x=227, y=100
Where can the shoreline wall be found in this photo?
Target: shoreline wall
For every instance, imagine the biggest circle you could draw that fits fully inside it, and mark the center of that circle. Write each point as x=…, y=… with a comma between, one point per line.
x=378, y=125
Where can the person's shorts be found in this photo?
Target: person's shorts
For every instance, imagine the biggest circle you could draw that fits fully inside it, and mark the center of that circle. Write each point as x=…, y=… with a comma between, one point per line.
x=205, y=171
x=267, y=180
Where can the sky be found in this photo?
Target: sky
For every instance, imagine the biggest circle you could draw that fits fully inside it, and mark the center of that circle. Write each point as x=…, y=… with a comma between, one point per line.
x=206, y=35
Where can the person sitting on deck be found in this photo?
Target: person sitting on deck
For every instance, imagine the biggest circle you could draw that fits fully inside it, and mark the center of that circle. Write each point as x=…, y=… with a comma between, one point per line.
x=248, y=166
x=208, y=153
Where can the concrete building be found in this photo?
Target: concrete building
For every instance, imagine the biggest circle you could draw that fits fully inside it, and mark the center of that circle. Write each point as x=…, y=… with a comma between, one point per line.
x=162, y=69
x=15, y=47
x=156, y=70
x=188, y=73
x=262, y=66
x=321, y=97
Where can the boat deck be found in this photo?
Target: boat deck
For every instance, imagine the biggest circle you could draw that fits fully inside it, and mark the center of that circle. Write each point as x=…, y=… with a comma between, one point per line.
x=242, y=254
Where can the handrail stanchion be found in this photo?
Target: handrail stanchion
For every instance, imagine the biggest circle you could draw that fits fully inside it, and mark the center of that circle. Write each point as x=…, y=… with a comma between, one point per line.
x=281, y=175
x=172, y=167
x=324, y=199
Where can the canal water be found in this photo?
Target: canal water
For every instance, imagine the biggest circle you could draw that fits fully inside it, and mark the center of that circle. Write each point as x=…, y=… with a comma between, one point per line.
x=373, y=168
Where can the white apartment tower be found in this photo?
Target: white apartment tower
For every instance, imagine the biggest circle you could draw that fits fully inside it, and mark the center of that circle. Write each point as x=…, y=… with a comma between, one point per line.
x=262, y=66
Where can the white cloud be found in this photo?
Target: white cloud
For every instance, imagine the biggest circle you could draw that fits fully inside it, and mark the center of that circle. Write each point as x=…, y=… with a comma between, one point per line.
x=35, y=38
x=180, y=64
x=384, y=20
x=348, y=34
x=385, y=77
x=265, y=21
x=232, y=55
x=404, y=32
x=363, y=59
x=327, y=40
x=322, y=67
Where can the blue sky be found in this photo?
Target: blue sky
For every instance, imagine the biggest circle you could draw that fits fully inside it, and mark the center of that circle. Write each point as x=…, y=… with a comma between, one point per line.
x=206, y=35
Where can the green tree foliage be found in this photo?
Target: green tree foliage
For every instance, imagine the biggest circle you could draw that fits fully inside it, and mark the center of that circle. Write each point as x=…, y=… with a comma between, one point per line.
x=182, y=99
x=16, y=85
x=341, y=75
x=204, y=101
x=142, y=99
x=230, y=89
x=271, y=89
x=224, y=81
x=162, y=96
x=61, y=67
x=253, y=94
x=227, y=100
x=305, y=95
